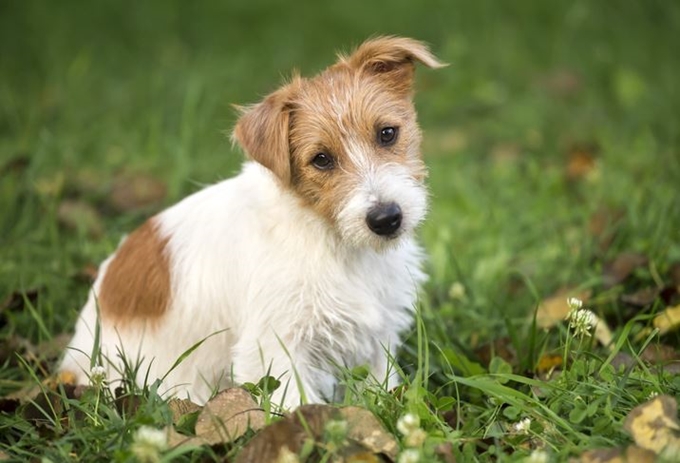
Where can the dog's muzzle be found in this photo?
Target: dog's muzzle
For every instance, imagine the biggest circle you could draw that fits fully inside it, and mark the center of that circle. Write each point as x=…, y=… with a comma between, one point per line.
x=384, y=219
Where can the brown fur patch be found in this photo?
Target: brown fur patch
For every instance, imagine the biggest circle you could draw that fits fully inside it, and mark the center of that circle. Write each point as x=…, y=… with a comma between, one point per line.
x=137, y=281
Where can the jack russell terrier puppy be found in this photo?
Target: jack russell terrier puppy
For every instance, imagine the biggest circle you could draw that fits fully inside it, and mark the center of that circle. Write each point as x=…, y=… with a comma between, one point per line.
x=302, y=264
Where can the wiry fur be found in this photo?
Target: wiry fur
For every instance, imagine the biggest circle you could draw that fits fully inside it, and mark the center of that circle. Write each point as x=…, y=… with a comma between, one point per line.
x=277, y=267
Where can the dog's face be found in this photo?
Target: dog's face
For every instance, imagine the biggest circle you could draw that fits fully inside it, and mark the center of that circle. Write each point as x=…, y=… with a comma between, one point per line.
x=347, y=141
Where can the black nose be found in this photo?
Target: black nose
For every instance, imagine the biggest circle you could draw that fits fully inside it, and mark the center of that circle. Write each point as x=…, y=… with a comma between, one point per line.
x=384, y=219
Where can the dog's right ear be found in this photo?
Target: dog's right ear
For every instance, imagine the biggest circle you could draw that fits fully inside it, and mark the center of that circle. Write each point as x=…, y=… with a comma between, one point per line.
x=262, y=131
x=393, y=60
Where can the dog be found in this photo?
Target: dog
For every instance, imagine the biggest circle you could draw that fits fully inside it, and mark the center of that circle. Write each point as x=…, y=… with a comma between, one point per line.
x=302, y=264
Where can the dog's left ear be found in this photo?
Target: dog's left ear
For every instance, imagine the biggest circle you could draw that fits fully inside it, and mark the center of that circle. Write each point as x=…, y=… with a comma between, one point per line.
x=262, y=131
x=393, y=59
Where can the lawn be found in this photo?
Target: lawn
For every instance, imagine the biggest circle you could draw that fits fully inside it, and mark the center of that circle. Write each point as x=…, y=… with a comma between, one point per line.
x=553, y=143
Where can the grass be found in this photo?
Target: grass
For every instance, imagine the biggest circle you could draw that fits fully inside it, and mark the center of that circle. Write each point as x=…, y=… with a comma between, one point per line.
x=91, y=92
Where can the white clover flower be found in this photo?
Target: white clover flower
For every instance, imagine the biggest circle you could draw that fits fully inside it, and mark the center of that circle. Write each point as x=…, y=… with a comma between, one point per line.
x=416, y=438
x=538, y=456
x=574, y=303
x=148, y=443
x=582, y=321
x=522, y=426
x=457, y=291
x=409, y=456
x=287, y=456
x=408, y=423
x=97, y=375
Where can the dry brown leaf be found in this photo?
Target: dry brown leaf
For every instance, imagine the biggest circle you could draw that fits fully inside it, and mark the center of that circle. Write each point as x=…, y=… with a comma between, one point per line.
x=603, y=334
x=674, y=274
x=136, y=192
x=555, y=309
x=288, y=435
x=225, y=418
x=80, y=216
x=228, y=415
x=582, y=162
x=499, y=347
x=561, y=83
x=602, y=225
x=366, y=438
x=621, y=267
x=632, y=454
x=181, y=407
x=654, y=425
x=549, y=362
x=17, y=299
x=365, y=429
x=16, y=165
x=642, y=297
x=668, y=320
x=505, y=153
x=659, y=354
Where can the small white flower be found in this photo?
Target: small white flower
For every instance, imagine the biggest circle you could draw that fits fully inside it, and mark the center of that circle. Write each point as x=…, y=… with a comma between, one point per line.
x=409, y=456
x=148, y=443
x=457, y=291
x=408, y=423
x=97, y=375
x=574, y=303
x=538, y=456
x=522, y=426
x=582, y=321
x=287, y=456
x=652, y=395
x=416, y=438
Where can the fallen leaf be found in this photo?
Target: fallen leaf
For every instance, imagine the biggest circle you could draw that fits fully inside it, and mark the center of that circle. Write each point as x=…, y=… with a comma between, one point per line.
x=9, y=405
x=603, y=224
x=87, y=273
x=499, y=347
x=659, y=354
x=16, y=165
x=445, y=452
x=80, y=216
x=621, y=267
x=505, y=153
x=642, y=297
x=181, y=407
x=548, y=362
x=305, y=428
x=632, y=454
x=561, y=83
x=16, y=300
x=582, y=163
x=287, y=436
x=555, y=309
x=602, y=333
x=225, y=418
x=674, y=274
x=365, y=429
x=623, y=360
x=668, y=320
x=133, y=192
x=654, y=425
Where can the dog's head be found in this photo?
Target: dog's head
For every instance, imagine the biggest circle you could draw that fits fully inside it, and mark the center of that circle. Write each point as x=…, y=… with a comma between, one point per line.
x=347, y=141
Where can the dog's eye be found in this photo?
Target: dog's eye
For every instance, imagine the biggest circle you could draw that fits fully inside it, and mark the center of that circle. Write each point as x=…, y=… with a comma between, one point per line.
x=322, y=161
x=387, y=135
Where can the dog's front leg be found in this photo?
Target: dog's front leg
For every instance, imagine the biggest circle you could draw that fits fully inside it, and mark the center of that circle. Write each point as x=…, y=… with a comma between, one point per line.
x=384, y=368
x=253, y=360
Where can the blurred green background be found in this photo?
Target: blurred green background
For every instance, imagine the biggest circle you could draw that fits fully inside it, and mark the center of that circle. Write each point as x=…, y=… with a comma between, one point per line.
x=549, y=113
